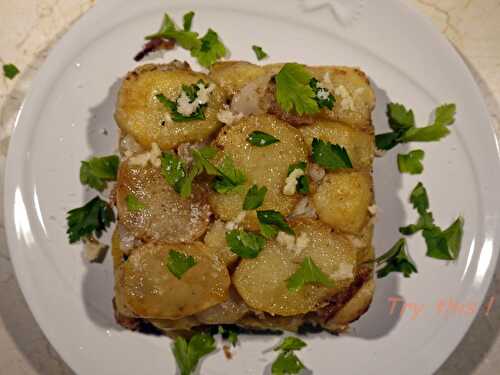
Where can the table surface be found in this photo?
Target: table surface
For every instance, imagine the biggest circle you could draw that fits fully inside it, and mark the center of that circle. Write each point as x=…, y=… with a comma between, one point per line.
x=30, y=27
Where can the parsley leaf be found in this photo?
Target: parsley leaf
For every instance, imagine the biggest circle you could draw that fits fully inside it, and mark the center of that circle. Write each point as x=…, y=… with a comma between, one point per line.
x=323, y=97
x=10, y=71
x=254, y=198
x=425, y=221
x=188, y=354
x=293, y=90
x=246, y=244
x=411, y=162
x=185, y=38
x=274, y=219
x=330, y=156
x=91, y=219
x=134, y=204
x=172, y=168
x=185, y=186
x=259, y=53
x=307, y=273
x=187, y=21
x=402, y=122
x=291, y=343
x=178, y=263
x=302, y=181
x=96, y=171
x=419, y=198
x=444, y=244
x=210, y=49
x=396, y=259
x=268, y=231
x=229, y=177
x=261, y=139
x=287, y=363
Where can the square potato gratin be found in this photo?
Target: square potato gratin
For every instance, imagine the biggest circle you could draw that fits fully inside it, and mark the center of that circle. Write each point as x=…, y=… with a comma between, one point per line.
x=228, y=212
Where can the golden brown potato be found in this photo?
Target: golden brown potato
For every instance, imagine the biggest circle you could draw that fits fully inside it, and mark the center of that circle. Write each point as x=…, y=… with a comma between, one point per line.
x=263, y=166
x=139, y=113
x=168, y=325
x=262, y=282
x=342, y=200
x=228, y=312
x=215, y=239
x=231, y=76
x=166, y=215
x=150, y=290
x=359, y=145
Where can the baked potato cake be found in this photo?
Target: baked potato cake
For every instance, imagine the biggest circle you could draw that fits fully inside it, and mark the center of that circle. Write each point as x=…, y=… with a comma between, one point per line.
x=244, y=196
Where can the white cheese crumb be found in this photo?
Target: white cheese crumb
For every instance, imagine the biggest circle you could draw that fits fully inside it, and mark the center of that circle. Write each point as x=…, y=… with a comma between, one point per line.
x=347, y=102
x=204, y=93
x=152, y=156
x=316, y=172
x=372, y=209
x=187, y=108
x=295, y=244
x=94, y=251
x=322, y=94
x=344, y=271
x=227, y=117
x=305, y=209
x=290, y=187
x=234, y=224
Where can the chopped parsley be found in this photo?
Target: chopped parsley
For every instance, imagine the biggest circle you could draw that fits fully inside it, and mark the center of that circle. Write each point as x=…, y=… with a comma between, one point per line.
x=188, y=353
x=271, y=222
x=402, y=123
x=330, y=156
x=293, y=90
x=168, y=30
x=287, y=361
x=97, y=171
x=254, y=198
x=210, y=49
x=412, y=162
x=178, y=263
x=187, y=21
x=10, y=71
x=191, y=92
x=396, y=259
x=441, y=244
x=323, y=97
x=245, y=244
x=302, y=181
x=307, y=273
x=259, y=53
x=229, y=177
x=173, y=169
x=261, y=139
x=134, y=204
x=91, y=219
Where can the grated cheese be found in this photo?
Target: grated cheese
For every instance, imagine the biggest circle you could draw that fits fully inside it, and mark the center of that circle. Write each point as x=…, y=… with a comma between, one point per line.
x=227, y=117
x=290, y=187
x=292, y=243
x=152, y=156
x=234, y=224
x=186, y=107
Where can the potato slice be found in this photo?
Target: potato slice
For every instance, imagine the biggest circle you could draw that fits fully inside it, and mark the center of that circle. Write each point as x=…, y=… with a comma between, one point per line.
x=342, y=200
x=231, y=76
x=150, y=290
x=359, y=145
x=215, y=239
x=166, y=216
x=262, y=282
x=264, y=166
x=228, y=312
x=357, y=305
x=168, y=325
x=140, y=114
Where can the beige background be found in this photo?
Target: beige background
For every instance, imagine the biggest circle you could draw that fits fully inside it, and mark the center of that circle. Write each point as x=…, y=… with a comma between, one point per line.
x=29, y=27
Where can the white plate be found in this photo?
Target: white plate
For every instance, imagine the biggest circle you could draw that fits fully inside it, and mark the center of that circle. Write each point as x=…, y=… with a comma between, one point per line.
x=73, y=99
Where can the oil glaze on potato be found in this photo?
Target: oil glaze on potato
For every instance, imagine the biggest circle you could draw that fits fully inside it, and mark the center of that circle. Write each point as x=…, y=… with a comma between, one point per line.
x=215, y=239
x=264, y=166
x=231, y=76
x=262, y=282
x=358, y=144
x=342, y=200
x=166, y=216
x=150, y=290
x=140, y=114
